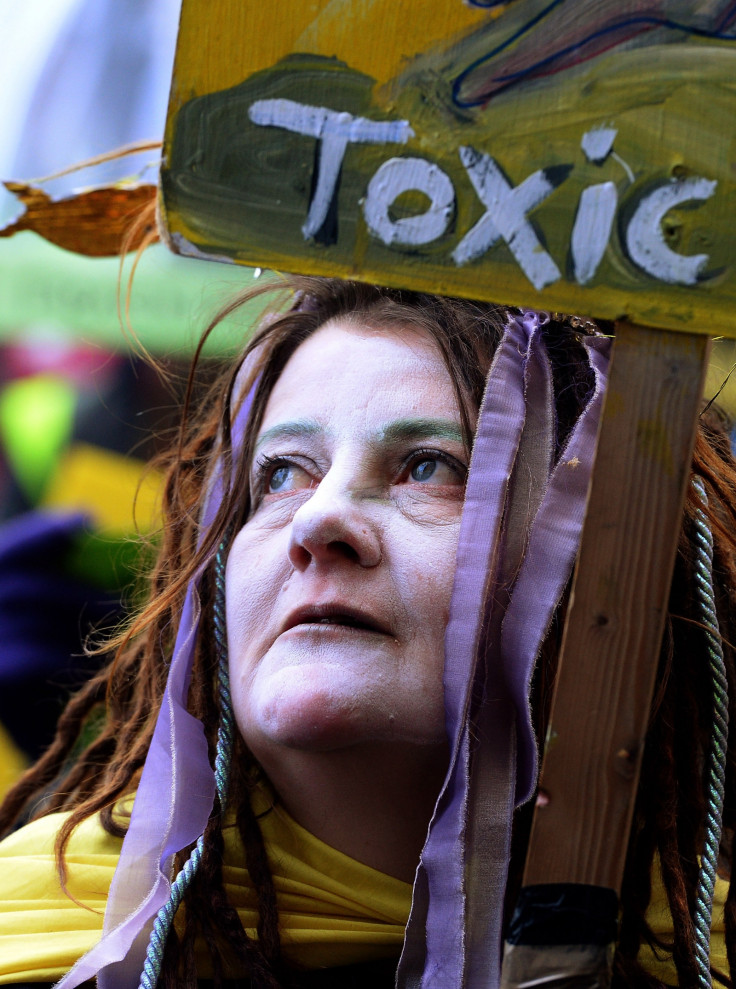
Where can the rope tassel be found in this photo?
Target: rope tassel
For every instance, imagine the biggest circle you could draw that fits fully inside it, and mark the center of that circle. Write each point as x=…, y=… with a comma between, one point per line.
x=716, y=764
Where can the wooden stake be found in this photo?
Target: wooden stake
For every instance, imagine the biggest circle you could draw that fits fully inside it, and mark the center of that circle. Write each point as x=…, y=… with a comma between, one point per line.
x=616, y=617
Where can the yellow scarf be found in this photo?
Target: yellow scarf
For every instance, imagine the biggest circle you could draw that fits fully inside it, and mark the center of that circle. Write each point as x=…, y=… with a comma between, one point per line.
x=333, y=910
x=660, y=920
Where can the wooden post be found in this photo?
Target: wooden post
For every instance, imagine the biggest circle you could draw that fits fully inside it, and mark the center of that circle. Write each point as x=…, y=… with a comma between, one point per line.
x=564, y=927
x=617, y=611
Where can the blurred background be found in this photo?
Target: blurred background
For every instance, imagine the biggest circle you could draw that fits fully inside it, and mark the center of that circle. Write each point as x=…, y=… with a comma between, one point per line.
x=80, y=411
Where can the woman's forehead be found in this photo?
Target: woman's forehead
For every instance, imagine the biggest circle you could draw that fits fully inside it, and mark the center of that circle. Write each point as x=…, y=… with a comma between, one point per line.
x=346, y=369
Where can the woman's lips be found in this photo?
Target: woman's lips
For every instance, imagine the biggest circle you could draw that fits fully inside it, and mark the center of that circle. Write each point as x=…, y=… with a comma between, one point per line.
x=335, y=615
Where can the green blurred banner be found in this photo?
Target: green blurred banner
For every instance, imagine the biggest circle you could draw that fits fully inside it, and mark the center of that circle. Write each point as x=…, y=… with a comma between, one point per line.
x=43, y=288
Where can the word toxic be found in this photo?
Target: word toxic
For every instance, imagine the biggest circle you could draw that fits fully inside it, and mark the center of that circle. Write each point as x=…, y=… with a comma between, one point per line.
x=506, y=206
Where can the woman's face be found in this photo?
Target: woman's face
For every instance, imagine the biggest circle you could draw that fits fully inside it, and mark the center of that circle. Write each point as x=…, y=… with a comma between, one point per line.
x=338, y=586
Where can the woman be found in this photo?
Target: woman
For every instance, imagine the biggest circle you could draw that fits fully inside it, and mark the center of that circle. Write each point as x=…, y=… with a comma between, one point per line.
x=313, y=513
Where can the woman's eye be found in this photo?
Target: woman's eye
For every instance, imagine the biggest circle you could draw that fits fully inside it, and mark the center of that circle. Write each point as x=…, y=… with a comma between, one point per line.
x=280, y=477
x=424, y=470
x=289, y=477
x=436, y=470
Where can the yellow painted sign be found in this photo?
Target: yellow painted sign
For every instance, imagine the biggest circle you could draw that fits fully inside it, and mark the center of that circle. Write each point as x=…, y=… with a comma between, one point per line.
x=573, y=155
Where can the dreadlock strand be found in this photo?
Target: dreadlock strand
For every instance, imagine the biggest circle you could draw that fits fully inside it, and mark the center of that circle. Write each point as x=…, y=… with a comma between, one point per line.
x=51, y=764
x=209, y=882
x=260, y=873
x=667, y=843
x=656, y=791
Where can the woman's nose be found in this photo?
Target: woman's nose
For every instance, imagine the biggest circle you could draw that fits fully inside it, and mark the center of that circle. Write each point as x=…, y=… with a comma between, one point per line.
x=333, y=526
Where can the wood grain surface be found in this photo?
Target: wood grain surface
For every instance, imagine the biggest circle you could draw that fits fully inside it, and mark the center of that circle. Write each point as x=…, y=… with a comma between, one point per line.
x=616, y=617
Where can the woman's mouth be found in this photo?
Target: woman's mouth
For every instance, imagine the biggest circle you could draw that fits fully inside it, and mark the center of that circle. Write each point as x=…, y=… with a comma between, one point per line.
x=338, y=620
x=334, y=616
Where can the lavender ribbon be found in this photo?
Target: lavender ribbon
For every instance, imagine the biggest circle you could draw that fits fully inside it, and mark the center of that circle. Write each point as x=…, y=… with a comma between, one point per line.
x=175, y=795
x=553, y=545
x=518, y=541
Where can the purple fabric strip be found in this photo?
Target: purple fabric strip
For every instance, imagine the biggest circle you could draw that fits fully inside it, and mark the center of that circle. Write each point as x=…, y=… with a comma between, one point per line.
x=435, y=932
x=492, y=778
x=174, y=797
x=521, y=526
x=171, y=808
x=553, y=546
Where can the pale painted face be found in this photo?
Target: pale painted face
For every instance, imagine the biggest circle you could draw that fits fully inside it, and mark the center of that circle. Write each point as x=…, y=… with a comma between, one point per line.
x=338, y=586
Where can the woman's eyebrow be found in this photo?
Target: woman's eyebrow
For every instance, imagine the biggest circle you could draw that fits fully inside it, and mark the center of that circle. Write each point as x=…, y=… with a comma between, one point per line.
x=296, y=429
x=421, y=427
x=412, y=428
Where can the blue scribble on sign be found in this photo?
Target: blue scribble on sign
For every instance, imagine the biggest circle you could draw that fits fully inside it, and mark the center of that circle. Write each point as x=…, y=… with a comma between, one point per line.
x=630, y=26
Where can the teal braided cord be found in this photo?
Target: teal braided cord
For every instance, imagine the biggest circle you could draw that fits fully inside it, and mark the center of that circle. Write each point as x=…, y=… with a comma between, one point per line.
x=716, y=764
x=165, y=918
x=223, y=753
x=225, y=731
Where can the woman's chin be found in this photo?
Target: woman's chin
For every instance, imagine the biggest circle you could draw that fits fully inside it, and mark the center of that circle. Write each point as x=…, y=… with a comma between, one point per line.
x=317, y=708
x=306, y=708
